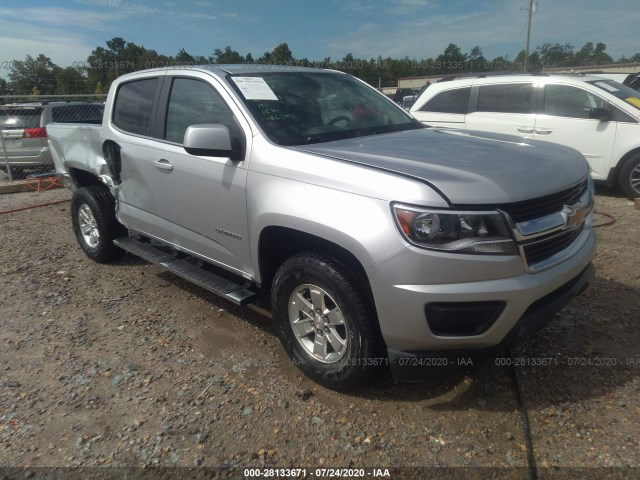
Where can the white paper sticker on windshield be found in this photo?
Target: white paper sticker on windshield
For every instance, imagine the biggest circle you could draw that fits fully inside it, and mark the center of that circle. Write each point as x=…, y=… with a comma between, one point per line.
x=606, y=86
x=254, y=88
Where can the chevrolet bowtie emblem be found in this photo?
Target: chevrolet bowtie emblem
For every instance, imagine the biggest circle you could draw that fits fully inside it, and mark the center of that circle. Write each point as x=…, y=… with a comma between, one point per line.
x=574, y=214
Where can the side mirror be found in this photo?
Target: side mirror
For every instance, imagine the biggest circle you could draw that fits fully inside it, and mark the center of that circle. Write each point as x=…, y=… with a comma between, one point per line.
x=601, y=114
x=208, y=140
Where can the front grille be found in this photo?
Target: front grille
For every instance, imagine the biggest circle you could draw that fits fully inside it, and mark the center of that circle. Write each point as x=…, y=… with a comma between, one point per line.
x=546, y=247
x=539, y=207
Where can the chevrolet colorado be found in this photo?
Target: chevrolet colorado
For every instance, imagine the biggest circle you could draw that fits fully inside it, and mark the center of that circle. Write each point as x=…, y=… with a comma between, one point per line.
x=381, y=243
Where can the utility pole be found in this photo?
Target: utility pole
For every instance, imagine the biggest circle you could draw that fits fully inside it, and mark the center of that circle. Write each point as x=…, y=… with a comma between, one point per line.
x=526, y=50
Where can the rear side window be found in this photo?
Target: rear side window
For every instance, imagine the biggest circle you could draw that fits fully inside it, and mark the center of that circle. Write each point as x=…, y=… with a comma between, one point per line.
x=513, y=98
x=19, y=118
x=133, y=106
x=88, y=113
x=450, y=101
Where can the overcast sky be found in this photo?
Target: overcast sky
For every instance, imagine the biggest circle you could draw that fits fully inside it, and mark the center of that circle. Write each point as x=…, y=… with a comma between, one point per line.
x=67, y=30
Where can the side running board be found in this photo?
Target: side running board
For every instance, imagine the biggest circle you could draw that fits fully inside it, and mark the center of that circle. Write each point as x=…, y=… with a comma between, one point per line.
x=233, y=292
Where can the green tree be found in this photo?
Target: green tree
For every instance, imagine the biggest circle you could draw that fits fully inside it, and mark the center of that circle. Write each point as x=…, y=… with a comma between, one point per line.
x=590, y=55
x=556, y=55
x=39, y=72
x=4, y=87
x=228, y=56
x=106, y=64
x=476, y=61
x=281, y=55
x=535, y=65
x=500, y=64
x=70, y=80
x=451, y=60
x=600, y=57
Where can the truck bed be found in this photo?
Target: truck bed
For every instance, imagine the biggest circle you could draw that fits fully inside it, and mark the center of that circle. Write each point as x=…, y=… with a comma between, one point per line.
x=75, y=145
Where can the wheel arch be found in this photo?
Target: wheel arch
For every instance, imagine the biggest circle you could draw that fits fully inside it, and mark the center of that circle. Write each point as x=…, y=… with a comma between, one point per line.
x=614, y=174
x=277, y=243
x=83, y=178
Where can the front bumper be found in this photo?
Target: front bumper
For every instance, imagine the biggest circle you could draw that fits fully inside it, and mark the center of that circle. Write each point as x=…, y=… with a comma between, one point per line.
x=410, y=366
x=408, y=285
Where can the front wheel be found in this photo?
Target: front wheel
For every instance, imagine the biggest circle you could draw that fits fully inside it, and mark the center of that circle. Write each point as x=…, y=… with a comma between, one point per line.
x=630, y=177
x=325, y=321
x=94, y=223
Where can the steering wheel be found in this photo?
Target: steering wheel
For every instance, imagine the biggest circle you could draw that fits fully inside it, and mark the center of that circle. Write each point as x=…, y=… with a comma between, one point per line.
x=340, y=118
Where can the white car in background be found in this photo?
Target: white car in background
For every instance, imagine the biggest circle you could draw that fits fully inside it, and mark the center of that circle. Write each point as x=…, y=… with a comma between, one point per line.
x=596, y=116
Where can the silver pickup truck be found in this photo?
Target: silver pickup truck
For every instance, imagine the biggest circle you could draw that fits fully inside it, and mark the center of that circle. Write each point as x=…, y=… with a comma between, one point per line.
x=384, y=246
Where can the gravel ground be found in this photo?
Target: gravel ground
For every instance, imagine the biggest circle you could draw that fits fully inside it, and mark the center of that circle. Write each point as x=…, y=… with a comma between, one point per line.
x=128, y=365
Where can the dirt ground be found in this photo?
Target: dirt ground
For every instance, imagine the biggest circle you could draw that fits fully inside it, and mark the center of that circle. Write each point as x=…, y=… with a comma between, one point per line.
x=127, y=365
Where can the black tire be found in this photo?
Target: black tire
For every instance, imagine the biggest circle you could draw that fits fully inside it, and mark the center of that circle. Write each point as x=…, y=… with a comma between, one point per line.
x=629, y=178
x=359, y=357
x=104, y=226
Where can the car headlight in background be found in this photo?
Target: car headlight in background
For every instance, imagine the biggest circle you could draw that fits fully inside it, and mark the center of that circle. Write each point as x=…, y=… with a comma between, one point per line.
x=455, y=232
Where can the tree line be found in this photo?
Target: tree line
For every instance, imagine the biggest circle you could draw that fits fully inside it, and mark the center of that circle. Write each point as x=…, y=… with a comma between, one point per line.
x=40, y=76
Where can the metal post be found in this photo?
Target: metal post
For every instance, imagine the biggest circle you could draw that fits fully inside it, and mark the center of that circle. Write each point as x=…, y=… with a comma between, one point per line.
x=526, y=50
x=6, y=157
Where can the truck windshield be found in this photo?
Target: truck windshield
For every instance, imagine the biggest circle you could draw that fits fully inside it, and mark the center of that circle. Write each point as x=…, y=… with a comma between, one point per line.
x=295, y=108
x=623, y=92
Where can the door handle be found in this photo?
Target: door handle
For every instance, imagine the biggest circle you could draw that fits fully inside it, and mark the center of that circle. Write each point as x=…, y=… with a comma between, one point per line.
x=525, y=130
x=543, y=132
x=163, y=165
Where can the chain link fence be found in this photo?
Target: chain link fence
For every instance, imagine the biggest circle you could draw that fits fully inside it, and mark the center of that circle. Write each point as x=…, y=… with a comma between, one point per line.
x=25, y=153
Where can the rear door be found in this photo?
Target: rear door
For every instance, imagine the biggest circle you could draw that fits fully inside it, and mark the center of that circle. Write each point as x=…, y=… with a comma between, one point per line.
x=565, y=119
x=129, y=151
x=506, y=108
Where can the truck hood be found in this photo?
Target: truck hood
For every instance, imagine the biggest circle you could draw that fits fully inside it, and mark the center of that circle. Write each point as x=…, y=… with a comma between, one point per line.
x=465, y=167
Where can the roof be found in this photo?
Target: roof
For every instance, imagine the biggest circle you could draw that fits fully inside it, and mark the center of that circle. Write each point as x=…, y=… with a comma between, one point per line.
x=506, y=78
x=236, y=69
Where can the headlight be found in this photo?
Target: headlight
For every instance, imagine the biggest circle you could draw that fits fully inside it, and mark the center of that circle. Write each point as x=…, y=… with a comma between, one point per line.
x=459, y=232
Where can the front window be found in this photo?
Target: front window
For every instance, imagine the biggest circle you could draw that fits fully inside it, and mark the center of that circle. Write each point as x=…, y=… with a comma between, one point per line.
x=629, y=95
x=295, y=108
x=567, y=101
x=193, y=102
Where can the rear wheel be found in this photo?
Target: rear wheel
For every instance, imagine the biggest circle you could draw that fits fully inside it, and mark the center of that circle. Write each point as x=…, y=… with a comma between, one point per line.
x=325, y=321
x=94, y=223
x=630, y=177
